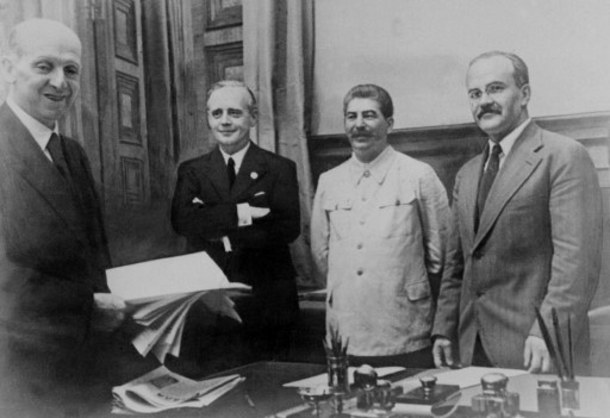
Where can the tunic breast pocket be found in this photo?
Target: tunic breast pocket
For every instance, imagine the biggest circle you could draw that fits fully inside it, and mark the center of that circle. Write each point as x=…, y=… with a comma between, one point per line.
x=339, y=213
x=397, y=215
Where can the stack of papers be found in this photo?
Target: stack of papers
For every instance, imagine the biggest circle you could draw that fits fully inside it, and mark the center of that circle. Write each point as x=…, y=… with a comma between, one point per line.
x=161, y=292
x=161, y=389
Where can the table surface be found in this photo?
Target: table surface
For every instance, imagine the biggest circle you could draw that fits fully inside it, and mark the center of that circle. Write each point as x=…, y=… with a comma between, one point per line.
x=262, y=393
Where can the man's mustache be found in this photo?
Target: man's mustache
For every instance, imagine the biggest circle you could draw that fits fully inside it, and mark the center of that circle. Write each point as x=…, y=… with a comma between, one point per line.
x=489, y=109
x=360, y=132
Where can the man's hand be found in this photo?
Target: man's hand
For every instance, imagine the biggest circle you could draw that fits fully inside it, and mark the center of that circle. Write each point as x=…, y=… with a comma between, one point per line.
x=257, y=212
x=108, y=311
x=442, y=350
x=536, y=356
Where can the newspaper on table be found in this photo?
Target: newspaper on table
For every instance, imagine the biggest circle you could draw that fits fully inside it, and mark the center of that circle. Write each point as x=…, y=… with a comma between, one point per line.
x=161, y=292
x=162, y=389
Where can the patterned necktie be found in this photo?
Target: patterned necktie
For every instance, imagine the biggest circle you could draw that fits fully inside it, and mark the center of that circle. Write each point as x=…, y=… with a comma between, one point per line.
x=231, y=171
x=488, y=178
x=56, y=150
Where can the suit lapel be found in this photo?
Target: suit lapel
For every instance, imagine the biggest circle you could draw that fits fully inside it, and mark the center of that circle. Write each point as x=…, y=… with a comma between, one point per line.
x=29, y=162
x=468, y=194
x=216, y=172
x=253, y=169
x=519, y=165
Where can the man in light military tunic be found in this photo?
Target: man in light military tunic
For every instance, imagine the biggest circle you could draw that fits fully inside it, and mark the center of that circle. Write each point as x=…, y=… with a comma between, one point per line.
x=378, y=229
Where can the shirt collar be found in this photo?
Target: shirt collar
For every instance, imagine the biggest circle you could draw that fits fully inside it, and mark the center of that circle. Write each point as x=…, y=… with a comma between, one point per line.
x=509, y=140
x=377, y=169
x=238, y=157
x=39, y=132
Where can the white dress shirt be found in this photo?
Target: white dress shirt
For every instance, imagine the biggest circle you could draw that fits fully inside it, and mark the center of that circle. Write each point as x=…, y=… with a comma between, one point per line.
x=39, y=132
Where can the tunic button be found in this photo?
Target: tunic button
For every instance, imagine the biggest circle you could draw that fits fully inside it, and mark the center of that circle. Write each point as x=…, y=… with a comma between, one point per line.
x=359, y=272
x=362, y=221
x=366, y=173
x=359, y=246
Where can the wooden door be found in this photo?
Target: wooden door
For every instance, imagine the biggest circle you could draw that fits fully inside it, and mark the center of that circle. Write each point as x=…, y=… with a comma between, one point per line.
x=122, y=105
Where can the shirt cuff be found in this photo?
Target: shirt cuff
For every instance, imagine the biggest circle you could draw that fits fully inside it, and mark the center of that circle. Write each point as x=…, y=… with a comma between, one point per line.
x=244, y=216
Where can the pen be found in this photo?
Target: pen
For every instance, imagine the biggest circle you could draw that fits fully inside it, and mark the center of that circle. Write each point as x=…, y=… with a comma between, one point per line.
x=560, y=349
x=546, y=336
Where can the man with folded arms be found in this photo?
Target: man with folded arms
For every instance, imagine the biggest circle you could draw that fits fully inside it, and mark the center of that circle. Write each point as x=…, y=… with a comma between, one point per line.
x=240, y=203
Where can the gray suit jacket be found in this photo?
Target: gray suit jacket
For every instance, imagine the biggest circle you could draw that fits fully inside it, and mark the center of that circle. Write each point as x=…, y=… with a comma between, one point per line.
x=538, y=245
x=52, y=258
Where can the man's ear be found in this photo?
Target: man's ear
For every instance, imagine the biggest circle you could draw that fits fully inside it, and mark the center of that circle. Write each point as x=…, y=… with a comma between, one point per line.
x=390, y=122
x=8, y=68
x=526, y=92
x=253, y=116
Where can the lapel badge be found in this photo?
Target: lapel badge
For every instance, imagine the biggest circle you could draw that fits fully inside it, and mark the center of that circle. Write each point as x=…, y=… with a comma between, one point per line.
x=254, y=175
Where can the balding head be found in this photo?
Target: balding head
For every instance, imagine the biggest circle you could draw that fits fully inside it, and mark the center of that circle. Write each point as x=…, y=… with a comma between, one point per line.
x=42, y=67
x=33, y=32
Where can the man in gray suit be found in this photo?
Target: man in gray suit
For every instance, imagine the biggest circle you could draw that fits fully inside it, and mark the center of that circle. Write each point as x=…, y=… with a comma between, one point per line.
x=56, y=315
x=527, y=232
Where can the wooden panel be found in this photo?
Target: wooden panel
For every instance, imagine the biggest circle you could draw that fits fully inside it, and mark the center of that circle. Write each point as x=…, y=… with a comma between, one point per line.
x=132, y=172
x=128, y=108
x=125, y=30
x=225, y=62
x=225, y=36
x=222, y=13
x=447, y=148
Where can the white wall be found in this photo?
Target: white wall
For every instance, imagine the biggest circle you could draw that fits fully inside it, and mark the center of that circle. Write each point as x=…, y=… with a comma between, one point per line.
x=419, y=50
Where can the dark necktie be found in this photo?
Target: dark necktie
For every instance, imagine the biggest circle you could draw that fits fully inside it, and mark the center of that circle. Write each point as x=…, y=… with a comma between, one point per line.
x=488, y=178
x=55, y=148
x=231, y=171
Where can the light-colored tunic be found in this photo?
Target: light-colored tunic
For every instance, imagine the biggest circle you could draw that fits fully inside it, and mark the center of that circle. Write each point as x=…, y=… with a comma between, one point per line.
x=377, y=231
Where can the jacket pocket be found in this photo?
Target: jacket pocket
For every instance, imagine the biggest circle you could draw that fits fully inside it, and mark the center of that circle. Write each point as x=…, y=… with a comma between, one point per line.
x=338, y=212
x=397, y=214
x=418, y=291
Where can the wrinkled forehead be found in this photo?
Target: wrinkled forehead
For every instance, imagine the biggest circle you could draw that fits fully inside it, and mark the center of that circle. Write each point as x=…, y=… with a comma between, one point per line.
x=488, y=70
x=233, y=97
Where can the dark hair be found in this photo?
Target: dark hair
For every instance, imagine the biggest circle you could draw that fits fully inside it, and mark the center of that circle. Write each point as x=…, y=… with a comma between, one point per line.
x=252, y=106
x=371, y=91
x=520, y=71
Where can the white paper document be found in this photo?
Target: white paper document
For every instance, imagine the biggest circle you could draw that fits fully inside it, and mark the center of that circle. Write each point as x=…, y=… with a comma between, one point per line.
x=161, y=292
x=164, y=277
x=162, y=389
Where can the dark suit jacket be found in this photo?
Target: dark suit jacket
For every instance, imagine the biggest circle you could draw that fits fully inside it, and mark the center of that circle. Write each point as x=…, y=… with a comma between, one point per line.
x=538, y=244
x=52, y=258
x=260, y=255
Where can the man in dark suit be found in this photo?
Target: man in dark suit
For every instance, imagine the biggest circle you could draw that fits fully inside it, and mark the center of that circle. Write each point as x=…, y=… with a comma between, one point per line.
x=54, y=309
x=240, y=203
x=527, y=232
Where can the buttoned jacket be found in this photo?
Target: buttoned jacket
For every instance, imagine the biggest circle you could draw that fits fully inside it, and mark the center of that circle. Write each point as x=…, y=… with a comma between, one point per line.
x=204, y=210
x=378, y=261
x=538, y=245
